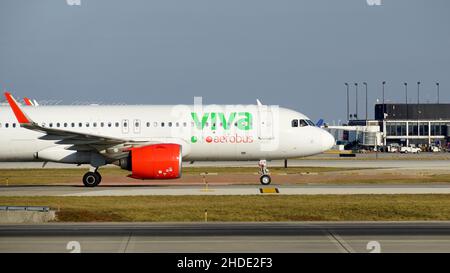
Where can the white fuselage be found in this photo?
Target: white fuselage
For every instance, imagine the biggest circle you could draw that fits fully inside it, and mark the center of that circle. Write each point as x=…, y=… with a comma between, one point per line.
x=212, y=132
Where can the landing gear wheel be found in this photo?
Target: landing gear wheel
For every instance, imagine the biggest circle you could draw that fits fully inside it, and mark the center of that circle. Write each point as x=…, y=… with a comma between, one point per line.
x=99, y=177
x=264, y=172
x=92, y=179
x=265, y=179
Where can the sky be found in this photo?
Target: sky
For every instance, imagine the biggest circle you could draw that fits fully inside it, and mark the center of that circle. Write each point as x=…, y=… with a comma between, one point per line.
x=293, y=53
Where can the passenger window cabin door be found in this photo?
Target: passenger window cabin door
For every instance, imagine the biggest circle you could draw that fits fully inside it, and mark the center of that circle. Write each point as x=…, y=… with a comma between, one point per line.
x=125, y=126
x=137, y=126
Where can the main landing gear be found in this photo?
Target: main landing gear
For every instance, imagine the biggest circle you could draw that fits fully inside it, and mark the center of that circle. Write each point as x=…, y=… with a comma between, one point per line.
x=92, y=178
x=264, y=172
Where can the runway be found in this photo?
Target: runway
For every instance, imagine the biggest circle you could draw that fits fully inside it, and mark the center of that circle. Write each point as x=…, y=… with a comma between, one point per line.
x=346, y=237
x=222, y=190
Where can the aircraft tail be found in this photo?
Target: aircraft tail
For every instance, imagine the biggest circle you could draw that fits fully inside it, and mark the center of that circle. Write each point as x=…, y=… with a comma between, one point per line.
x=319, y=123
x=27, y=101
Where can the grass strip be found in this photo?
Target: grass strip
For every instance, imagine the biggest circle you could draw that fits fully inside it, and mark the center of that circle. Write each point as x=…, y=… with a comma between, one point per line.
x=243, y=208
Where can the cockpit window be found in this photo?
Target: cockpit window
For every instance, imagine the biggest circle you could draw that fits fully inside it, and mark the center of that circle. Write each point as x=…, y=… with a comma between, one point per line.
x=310, y=122
x=303, y=123
x=295, y=123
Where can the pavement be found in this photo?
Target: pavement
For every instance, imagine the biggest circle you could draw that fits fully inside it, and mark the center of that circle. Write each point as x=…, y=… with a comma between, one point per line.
x=344, y=237
x=221, y=190
x=421, y=162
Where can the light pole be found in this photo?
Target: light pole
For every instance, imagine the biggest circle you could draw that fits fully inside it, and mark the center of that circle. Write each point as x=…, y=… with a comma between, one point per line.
x=356, y=101
x=418, y=100
x=383, y=97
x=406, y=98
x=437, y=86
x=348, y=103
x=365, y=84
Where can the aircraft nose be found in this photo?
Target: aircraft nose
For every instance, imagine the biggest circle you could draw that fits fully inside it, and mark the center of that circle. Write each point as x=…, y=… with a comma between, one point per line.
x=327, y=140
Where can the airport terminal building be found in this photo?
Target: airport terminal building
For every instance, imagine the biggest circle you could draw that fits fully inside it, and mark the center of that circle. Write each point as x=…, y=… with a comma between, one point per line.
x=420, y=124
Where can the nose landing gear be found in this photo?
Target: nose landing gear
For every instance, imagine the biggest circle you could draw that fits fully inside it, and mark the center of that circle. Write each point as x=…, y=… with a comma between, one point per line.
x=265, y=178
x=92, y=178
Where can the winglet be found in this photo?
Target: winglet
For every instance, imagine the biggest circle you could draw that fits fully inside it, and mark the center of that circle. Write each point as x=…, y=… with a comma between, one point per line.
x=20, y=115
x=28, y=101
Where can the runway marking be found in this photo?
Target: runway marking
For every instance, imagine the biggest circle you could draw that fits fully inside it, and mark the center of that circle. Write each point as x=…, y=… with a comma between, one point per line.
x=269, y=190
x=339, y=242
x=125, y=242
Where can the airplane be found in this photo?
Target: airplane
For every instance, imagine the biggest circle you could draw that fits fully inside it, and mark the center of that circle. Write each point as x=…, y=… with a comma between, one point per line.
x=151, y=141
x=27, y=101
x=30, y=102
x=320, y=123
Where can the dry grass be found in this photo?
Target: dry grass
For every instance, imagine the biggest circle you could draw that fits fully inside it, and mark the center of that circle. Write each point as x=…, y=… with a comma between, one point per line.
x=244, y=208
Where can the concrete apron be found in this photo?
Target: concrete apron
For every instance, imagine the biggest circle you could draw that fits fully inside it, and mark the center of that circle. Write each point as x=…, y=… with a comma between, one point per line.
x=32, y=217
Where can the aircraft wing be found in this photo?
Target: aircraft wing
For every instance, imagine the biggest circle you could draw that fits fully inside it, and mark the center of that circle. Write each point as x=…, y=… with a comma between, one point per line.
x=79, y=141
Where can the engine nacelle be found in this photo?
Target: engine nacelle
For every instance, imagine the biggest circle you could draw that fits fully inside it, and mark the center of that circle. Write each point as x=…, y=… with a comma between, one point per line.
x=158, y=161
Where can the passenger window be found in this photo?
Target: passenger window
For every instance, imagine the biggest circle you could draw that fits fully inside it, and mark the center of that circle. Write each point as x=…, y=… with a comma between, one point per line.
x=72, y=124
x=80, y=124
x=6, y=125
x=148, y=124
x=117, y=124
x=177, y=124
x=294, y=123
x=14, y=125
x=136, y=124
x=303, y=123
x=170, y=124
x=51, y=125
x=57, y=124
x=65, y=124
x=155, y=124
x=94, y=124
x=125, y=124
x=109, y=124
x=162, y=124
x=87, y=124
x=184, y=124
x=102, y=124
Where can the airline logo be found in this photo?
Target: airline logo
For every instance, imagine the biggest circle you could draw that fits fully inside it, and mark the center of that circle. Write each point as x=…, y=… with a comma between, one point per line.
x=243, y=121
x=229, y=139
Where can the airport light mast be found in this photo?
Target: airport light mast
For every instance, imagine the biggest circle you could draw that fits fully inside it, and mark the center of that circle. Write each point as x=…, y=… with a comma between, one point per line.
x=365, y=84
x=348, y=102
x=418, y=102
x=384, y=82
x=356, y=101
x=406, y=98
x=437, y=86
